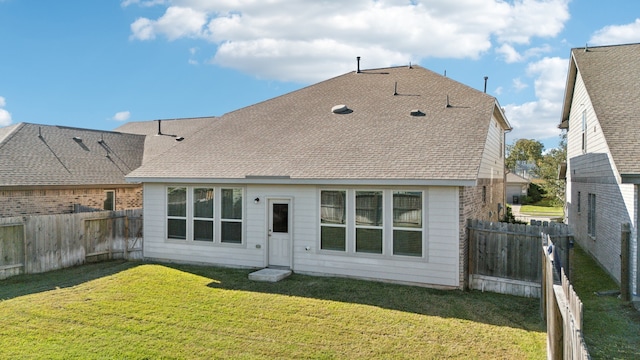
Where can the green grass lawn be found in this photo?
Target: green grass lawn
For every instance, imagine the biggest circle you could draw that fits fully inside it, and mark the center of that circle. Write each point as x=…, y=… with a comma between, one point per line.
x=547, y=211
x=611, y=326
x=122, y=310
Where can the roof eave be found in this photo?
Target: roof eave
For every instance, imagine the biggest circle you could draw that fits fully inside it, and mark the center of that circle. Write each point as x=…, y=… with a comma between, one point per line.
x=572, y=74
x=299, y=181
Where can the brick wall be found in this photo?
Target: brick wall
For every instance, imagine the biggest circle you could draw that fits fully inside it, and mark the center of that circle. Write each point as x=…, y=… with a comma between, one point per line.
x=61, y=201
x=478, y=202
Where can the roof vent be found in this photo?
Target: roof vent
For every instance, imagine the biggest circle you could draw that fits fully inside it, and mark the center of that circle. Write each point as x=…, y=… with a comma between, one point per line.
x=77, y=138
x=341, y=109
x=417, y=112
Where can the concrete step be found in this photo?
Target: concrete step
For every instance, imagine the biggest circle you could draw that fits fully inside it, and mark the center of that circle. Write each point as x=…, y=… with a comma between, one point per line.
x=270, y=275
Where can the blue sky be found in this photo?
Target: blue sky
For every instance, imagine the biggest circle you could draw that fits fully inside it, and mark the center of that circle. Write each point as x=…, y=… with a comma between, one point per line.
x=98, y=64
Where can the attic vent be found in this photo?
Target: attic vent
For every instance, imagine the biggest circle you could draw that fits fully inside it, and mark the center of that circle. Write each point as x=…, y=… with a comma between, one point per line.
x=77, y=138
x=416, y=112
x=340, y=109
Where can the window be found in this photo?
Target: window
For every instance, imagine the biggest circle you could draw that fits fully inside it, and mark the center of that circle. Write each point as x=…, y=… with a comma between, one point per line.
x=584, y=131
x=192, y=214
x=484, y=194
x=369, y=222
x=177, y=213
x=578, y=202
x=203, y=214
x=231, y=216
x=407, y=223
x=333, y=231
x=591, y=215
x=110, y=200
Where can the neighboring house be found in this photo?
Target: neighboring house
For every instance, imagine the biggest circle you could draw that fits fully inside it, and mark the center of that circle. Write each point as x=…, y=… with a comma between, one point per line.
x=53, y=169
x=517, y=187
x=371, y=174
x=602, y=114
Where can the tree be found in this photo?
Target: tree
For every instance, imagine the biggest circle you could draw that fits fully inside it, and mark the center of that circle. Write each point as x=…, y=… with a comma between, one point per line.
x=547, y=169
x=523, y=151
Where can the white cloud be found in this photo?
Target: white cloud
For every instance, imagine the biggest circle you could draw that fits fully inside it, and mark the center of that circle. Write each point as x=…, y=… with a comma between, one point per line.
x=617, y=34
x=539, y=119
x=509, y=54
x=297, y=40
x=5, y=116
x=518, y=85
x=122, y=116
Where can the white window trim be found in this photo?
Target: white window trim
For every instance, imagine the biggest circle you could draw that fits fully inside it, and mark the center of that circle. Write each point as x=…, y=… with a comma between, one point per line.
x=387, y=228
x=217, y=220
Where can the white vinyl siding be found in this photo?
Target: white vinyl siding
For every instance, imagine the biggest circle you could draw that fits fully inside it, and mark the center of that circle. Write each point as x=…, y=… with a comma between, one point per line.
x=492, y=164
x=438, y=265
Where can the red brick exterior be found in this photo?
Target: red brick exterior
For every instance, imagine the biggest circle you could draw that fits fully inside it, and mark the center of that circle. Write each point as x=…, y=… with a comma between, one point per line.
x=48, y=201
x=473, y=206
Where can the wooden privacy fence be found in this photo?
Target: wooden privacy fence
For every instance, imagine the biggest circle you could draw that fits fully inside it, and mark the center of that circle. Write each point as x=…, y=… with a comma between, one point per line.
x=35, y=244
x=562, y=310
x=505, y=257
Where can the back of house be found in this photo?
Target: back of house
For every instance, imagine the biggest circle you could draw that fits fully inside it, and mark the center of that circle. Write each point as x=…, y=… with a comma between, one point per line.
x=371, y=174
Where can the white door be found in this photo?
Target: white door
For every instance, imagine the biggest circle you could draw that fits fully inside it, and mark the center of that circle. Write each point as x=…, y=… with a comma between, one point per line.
x=279, y=233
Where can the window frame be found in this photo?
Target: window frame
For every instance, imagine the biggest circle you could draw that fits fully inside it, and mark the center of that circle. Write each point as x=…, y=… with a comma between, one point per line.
x=584, y=131
x=591, y=215
x=387, y=228
x=380, y=228
x=106, y=199
x=419, y=229
x=343, y=225
x=216, y=219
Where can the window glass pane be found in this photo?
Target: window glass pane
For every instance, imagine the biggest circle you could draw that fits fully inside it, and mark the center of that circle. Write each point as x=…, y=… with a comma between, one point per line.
x=177, y=201
x=231, y=232
x=109, y=200
x=203, y=203
x=369, y=240
x=332, y=238
x=332, y=207
x=407, y=242
x=280, y=218
x=369, y=208
x=232, y=203
x=407, y=209
x=177, y=229
x=202, y=230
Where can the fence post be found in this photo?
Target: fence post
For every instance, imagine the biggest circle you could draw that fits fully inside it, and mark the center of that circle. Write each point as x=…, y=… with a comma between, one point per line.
x=471, y=255
x=625, y=291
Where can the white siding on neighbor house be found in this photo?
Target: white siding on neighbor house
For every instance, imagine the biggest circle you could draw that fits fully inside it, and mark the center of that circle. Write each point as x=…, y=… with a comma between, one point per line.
x=438, y=266
x=594, y=172
x=492, y=164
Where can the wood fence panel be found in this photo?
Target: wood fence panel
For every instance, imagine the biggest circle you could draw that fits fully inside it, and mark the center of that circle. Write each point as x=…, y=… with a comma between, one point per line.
x=51, y=242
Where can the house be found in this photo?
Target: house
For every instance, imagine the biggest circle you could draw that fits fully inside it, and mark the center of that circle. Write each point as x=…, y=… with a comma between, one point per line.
x=517, y=187
x=54, y=169
x=601, y=112
x=371, y=174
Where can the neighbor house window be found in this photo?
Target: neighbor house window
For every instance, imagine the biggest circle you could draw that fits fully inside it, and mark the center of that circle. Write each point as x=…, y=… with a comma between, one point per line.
x=584, y=131
x=591, y=215
x=231, y=216
x=203, y=214
x=333, y=228
x=484, y=194
x=578, y=202
x=369, y=223
x=177, y=213
x=407, y=223
x=110, y=200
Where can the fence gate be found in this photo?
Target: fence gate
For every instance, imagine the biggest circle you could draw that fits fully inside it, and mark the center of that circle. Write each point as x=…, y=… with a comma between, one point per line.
x=99, y=237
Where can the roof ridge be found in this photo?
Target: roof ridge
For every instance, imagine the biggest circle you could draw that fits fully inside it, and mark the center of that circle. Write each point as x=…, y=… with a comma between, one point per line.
x=17, y=127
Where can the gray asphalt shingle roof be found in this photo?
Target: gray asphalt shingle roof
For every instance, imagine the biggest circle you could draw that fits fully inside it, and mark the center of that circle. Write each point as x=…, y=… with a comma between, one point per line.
x=297, y=135
x=611, y=75
x=40, y=155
